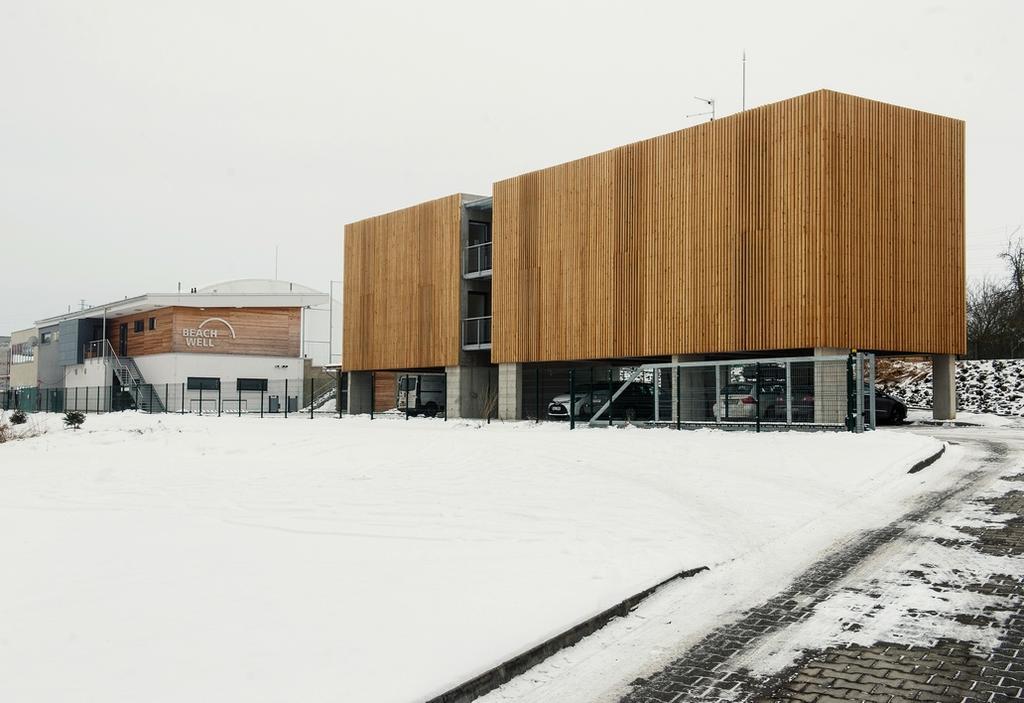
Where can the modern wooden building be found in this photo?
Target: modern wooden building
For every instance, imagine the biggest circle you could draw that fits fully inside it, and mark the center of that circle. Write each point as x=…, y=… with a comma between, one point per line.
x=822, y=222
x=240, y=339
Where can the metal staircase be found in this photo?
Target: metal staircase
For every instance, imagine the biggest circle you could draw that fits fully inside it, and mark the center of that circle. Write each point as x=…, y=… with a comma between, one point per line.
x=131, y=380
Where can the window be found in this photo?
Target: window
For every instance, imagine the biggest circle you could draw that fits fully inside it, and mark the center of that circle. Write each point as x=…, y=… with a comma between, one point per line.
x=152, y=323
x=251, y=384
x=140, y=325
x=203, y=383
x=46, y=337
x=479, y=232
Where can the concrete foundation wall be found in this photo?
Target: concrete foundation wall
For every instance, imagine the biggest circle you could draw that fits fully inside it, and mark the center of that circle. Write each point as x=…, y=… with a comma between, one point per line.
x=360, y=394
x=510, y=391
x=830, y=387
x=472, y=391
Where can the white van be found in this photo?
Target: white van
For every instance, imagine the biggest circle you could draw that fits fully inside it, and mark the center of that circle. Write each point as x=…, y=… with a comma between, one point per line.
x=421, y=394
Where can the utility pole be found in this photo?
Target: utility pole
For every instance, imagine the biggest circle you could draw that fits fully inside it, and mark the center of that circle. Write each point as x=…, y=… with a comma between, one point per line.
x=744, y=101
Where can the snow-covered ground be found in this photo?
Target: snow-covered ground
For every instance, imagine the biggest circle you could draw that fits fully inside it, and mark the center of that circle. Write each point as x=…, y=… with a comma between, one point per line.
x=169, y=558
x=982, y=386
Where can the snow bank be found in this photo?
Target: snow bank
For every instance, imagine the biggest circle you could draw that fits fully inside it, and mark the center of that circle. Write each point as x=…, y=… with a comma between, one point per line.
x=186, y=558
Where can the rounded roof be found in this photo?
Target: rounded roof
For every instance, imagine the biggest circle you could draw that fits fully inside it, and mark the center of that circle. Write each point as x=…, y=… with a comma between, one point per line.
x=258, y=286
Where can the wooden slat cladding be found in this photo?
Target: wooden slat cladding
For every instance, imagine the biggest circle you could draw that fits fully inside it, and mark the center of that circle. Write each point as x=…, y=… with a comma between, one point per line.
x=402, y=273
x=257, y=331
x=824, y=220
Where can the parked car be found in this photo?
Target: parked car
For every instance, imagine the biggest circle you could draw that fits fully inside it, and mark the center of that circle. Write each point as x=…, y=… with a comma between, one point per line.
x=888, y=410
x=636, y=402
x=589, y=398
x=739, y=401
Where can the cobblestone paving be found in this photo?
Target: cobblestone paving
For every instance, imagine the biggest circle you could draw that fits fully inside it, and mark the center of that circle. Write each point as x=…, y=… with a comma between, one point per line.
x=885, y=671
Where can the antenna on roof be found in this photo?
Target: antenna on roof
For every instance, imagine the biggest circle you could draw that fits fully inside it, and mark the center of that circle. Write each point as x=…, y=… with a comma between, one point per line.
x=709, y=101
x=744, y=101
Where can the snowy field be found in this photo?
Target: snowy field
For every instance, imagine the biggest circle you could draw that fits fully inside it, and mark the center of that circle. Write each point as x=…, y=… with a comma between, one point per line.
x=170, y=558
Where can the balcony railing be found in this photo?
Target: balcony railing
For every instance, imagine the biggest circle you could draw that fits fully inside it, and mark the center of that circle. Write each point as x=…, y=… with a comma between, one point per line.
x=476, y=260
x=476, y=333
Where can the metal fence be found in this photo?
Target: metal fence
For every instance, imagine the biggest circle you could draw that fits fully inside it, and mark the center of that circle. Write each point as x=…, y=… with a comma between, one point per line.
x=824, y=392
x=303, y=398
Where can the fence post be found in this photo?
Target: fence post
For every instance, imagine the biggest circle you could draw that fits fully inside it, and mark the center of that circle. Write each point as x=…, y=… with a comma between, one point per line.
x=286, y=398
x=238, y=386
x=182, y=398
x=572, y=399
x=445, y=386
x=872, y=390
x=679, y=397
x=261, y=401
x=757, y=396
x=609, y=399
x=373, y=394
x=789, y=395
x=488, y=396
x=540, y=393
x=200, y=398
x=850, y=400
x=860, y=392
x=167, y=398
x=76, y=398
x=310, y=398
x=219, y=401
x=337, y=394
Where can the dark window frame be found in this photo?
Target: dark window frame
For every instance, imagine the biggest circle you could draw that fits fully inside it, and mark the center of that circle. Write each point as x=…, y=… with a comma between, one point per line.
x=140, y=326
x=486, y=226
x=152, y=323
x=203, y=383
x=243, y=385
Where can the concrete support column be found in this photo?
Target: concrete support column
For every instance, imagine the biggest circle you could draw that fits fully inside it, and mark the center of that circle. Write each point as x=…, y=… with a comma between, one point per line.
x=698, y=388
x=830, y=387
x=944, y=387
x=471, y=391
x=360, y=394
x=510, y=391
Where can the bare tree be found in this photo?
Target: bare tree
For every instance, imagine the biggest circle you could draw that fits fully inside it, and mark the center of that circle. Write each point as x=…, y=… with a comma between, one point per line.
x=989, y=319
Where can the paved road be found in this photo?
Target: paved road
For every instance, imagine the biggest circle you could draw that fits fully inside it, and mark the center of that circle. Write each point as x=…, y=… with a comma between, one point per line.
x=959, y=591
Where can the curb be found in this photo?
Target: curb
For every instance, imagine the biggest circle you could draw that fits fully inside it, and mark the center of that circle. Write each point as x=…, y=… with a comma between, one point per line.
x=508, y=670
x=925, y=463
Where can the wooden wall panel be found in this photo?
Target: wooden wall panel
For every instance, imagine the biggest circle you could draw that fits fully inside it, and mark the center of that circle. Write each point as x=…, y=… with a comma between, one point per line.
x=402, y=277
x=257, y=331
x=824, y=220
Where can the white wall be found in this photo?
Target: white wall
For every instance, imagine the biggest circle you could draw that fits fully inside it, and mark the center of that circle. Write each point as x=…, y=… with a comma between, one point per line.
x=169, y=372
x=176, y=368
x=93, y=372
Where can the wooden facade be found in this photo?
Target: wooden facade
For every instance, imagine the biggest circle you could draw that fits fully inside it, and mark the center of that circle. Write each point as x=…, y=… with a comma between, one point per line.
x=247, y=331
x=825, y=220
x=402, y=278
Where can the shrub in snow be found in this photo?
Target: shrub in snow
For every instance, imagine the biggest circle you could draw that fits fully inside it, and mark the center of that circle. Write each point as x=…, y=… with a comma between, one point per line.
x=18, y=417
x=73, y=419
x=5, y=432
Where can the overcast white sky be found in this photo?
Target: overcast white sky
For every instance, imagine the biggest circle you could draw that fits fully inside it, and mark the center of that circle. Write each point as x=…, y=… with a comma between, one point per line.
x=146, y=143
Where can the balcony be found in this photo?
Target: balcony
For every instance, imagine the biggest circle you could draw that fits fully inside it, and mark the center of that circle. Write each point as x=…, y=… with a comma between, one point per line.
x=476, y=261
x=476, y=333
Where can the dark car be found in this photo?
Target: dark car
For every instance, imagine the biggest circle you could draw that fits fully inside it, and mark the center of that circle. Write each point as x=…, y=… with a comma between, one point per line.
x=636, y=402
x=888, y=410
